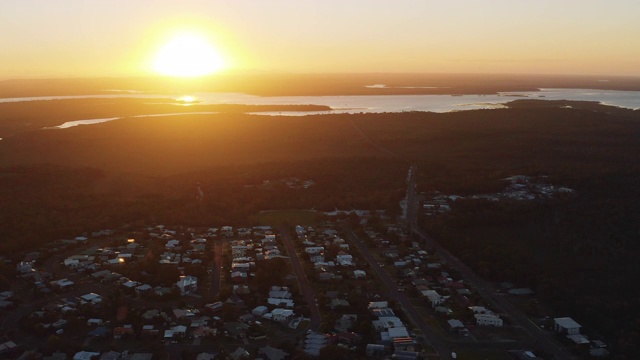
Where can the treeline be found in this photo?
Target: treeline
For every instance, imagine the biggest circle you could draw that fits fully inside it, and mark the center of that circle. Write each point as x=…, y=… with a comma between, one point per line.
x=45, y=203
x=579, y=251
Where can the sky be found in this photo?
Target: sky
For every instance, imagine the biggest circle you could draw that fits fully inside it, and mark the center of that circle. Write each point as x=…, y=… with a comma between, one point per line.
x=86, y=38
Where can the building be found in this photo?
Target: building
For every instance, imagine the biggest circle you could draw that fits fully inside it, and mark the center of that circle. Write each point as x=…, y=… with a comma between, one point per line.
x=566, y=325
x=282, y=315
x=187, y=285
x=434, y=298
x=488, y=320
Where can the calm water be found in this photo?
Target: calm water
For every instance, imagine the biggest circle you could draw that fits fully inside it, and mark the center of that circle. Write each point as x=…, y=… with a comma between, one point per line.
x=376, y=103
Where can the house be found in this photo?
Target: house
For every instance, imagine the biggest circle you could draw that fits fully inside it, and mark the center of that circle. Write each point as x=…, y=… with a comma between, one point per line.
x=111, y=355
x=281, y=315
x=122, y=331
x=335, y=303
x=314, y=250
x=359, y=274
x=488, y=320
x=7, y=347
x=94, y=322
x=344, y=259
x=433, y=297
x=206, y=356
x=141, y=356
x=187, y=285
x=56, y=356
x=374, y=351
x=99, y=332
x=239, y=353
x=455, y=325
x=386, y=323
x=130, y=284
x=92, y=298
x=480, y=310
x=72, y=263
x=214, y=306
x=239, y=277
x=63, y=284
x=566, y=325
x=325, y=276
x=280, y=302
x=388, y=336
x=378, y=305
x=86, y=355
x=345, y=322
x=314, y=343
x=271, y=353
x=259, y=310
x=277, y=292
x=149, y=330
x=142, y=289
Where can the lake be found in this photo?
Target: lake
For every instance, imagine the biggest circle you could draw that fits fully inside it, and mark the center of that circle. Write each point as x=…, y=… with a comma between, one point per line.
x=376, y=103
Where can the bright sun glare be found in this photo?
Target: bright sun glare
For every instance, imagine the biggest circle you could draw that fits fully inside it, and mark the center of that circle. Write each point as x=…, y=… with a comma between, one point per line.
x=188, y=55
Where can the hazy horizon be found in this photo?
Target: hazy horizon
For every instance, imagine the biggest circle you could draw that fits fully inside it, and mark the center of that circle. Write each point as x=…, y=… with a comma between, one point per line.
x=72, y=38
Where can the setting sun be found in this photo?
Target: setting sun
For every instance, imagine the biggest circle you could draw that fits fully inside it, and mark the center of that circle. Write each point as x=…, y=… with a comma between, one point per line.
x=188, y=55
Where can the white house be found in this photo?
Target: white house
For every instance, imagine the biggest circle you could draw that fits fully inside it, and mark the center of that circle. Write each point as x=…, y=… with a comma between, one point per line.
x=282, y=315
x=359, y=274
x=488, y=320
x=314, y=250
x=344, y=260
x=92, y=298
x=72, y=263
x=94, y=322
x=434, y=298
x=63, y=283
x=566, y=325
x=187, y=284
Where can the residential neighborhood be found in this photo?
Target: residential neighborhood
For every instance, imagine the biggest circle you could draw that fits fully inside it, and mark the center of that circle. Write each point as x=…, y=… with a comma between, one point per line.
x=228, y=292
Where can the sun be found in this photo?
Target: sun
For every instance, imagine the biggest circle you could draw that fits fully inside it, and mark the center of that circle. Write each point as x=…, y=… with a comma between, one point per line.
x=188, y=55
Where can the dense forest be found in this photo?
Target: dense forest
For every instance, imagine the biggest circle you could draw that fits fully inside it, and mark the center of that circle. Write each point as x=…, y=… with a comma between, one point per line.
x=577, y=251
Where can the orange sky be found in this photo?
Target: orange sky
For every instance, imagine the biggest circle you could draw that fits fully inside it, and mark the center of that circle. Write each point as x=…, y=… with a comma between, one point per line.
x=43, y=38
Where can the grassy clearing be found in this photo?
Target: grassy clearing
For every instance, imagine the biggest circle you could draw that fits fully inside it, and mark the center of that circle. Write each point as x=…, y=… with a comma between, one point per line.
x=287, y=217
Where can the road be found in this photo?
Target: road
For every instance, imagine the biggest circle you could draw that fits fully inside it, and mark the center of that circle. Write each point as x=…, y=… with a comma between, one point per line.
x=303, y=283
x=432, y=338
x=484, y=288
x=216, y=269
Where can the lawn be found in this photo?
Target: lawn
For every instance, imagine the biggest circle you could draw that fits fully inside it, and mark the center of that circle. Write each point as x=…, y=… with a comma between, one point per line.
x=287, y=217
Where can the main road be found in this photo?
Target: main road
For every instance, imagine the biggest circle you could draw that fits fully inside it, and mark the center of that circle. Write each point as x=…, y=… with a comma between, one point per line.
x=216, y=268
x=484, y=288
x=303, y=283
x=432, y=338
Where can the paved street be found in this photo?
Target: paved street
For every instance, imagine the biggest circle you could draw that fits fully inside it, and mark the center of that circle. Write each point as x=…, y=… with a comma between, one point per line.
x=216, y=268
x=484, y=288
x=303, y=283
x=433, y=339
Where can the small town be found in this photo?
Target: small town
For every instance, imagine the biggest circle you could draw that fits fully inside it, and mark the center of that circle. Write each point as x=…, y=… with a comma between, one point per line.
x=356, y=286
